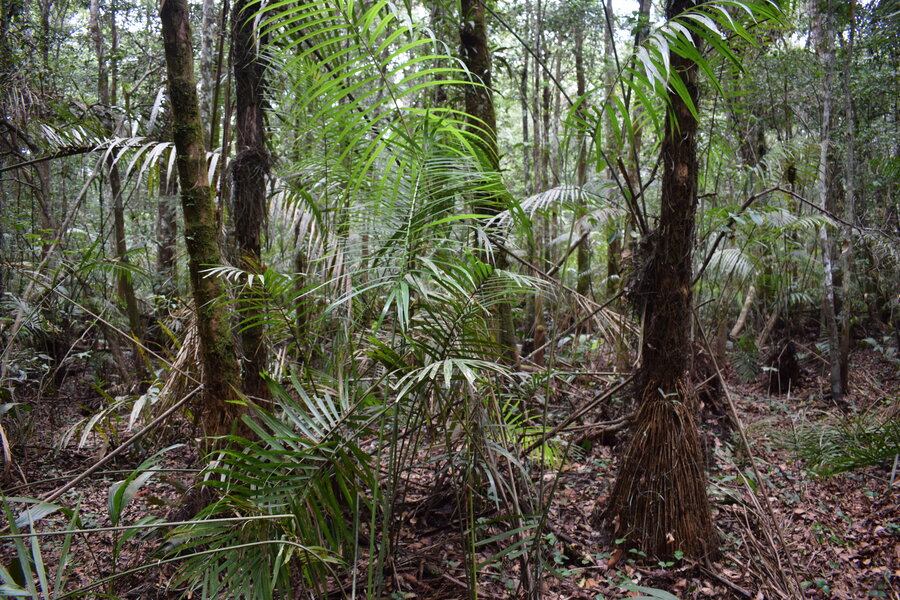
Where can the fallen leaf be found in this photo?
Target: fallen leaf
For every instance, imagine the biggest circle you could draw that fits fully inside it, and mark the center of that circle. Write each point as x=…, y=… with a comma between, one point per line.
x=616, y=557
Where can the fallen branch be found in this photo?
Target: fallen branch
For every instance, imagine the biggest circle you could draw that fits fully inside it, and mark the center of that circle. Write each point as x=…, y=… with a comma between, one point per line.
x=595, y=430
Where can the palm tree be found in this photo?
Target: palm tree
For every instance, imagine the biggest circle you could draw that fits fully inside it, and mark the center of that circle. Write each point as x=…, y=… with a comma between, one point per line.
x=658, y=503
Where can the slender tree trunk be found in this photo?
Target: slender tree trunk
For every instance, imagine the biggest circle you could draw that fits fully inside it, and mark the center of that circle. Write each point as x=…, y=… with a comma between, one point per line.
x=658, y=503
x=439, y=26
x=622, y=247
x=106, y=90
x=540, y=176
x=221, y=372
x=249, y=170
x=207, y=84
x=114, y=54
x=44, y=198
x=483, y=121
x=583, y=258
x=850, y=205
x=165, y=282
x=825, y=49
x=523, y=105
x=97, y=38
x=526, y=150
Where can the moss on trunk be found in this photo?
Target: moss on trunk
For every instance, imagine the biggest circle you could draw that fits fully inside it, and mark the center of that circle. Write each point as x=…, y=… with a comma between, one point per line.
x=216, y=408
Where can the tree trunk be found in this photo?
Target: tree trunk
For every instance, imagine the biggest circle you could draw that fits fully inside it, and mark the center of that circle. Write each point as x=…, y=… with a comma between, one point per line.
x=249, y=170
x=441, y=26
x=622, y=247
x=221, y=372
x=207, y=37
x=483, y=122
x=523, y=106
x=106, y=90
x=825, y=49
x=166, y=282
x=849, y=206
x=658, y=503
x=583, y=257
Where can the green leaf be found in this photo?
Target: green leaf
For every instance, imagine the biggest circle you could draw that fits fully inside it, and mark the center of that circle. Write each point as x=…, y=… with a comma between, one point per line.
x=649, y=592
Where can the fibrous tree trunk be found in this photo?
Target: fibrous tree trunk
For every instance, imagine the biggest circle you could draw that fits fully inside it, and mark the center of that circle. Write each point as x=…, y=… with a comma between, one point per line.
x=658, y=503
x=249, y=170
x=483, y=122
x=221, y=372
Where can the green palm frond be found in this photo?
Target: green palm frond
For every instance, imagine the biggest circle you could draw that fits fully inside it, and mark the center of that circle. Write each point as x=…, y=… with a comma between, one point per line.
x=729, y=262
x=306, y=462
x=785, y=220
x=360, y=69
x=830, y=447
x=703, y=34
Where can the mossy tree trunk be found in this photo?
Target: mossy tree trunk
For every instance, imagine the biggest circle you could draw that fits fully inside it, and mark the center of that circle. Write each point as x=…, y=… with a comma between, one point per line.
x=221, y=373
x=249, y=172
x=483, y=121
x=658, y=503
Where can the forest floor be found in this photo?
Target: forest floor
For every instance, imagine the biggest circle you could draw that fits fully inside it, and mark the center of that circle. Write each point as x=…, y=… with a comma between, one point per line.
x=835, y=537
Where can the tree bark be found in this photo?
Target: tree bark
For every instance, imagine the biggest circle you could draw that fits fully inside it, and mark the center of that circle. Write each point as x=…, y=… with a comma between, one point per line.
x=849, y=206
x=658, y=502
x=221, y=373
x=107, y=90
x=483, y=122
x=207, y=38
x=825, y=50
x=583, y=258
x=249, y=170
x=165, y=284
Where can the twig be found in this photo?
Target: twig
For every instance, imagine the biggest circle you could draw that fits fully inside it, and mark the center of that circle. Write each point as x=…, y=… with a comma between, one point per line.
x=725, y=231
x=567, y=254
x=550, y=278
x=62, y=153
x=57, y=241
x=725, y=581
x=100, y=319
x=598, y=429
x=833, y=216
x=461, y=584
x=241, y=519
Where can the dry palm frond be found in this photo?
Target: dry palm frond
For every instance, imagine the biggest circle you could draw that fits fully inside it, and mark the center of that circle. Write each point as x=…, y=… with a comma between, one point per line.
x=186, y=371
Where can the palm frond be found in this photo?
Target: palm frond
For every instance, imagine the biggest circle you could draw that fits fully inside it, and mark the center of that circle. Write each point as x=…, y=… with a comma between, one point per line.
x=305, y=463
x=835, y=446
